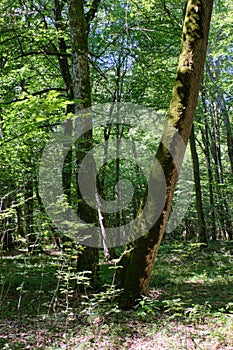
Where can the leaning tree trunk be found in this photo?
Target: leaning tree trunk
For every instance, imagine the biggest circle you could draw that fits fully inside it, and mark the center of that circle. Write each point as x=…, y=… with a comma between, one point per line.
x=79, y=23
x=136, y=265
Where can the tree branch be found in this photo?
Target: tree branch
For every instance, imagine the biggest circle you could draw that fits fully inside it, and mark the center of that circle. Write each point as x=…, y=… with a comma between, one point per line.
x=37, y=93
x=93, y=10
x=47, y=53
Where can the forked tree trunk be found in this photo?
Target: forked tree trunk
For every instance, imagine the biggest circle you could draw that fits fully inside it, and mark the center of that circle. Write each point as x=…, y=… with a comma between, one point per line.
x=135, y=266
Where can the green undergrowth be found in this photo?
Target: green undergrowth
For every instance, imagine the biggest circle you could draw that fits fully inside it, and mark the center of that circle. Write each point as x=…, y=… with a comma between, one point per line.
x=190, y=305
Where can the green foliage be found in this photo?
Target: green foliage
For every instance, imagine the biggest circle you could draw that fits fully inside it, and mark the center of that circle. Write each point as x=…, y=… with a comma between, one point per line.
x=174, y=307
x=136, y=51
x=147, y=307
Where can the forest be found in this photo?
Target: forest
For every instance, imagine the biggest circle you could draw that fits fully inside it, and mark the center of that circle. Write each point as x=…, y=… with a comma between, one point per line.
x=116, y=160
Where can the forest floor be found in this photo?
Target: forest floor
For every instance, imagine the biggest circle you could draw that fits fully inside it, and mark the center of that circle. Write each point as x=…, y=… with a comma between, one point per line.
x=190, y=305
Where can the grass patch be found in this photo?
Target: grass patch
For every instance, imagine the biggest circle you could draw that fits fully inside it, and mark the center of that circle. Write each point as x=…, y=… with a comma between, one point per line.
x=190, y=305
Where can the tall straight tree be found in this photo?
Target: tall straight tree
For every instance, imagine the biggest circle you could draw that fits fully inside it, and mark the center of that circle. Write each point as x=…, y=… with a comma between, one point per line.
x=202, y=234
x=222, y=107
x=136, y=264
x=79, y=22
x=206, y=142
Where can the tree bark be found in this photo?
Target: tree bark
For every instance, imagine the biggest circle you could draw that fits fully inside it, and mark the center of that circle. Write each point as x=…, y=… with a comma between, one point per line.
x=136, y=266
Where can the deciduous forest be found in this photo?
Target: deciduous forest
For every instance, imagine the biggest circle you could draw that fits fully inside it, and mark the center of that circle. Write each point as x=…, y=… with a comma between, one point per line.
x=116, y=160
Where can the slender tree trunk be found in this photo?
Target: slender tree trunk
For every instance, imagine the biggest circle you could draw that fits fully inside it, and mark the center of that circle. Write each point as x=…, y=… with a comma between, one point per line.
x=220, y=111
x=215, y=146
x=109, y=253
x=202, y=236
x=67, y=79
x=29, y=214
x=206, y=142
x=65, y=69
x=19, y=218
x=228, y=128
x=222, y=108
x=6, y=224
x=135, y=267
x=6, y=239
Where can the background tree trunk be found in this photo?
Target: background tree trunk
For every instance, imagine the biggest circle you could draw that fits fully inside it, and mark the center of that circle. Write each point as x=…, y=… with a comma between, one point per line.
x=224, y=113
x=28, y=214
x=206, y=143
x=202, y=235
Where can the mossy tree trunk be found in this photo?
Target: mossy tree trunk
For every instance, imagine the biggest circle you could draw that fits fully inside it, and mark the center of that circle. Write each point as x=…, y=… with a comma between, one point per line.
x=79, y=22
x=135, y=267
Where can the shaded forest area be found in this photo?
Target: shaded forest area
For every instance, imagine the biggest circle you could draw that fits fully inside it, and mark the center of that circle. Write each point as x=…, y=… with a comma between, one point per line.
x=163, y=285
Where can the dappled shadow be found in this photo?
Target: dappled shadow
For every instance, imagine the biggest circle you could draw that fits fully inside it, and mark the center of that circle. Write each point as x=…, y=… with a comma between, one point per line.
x=196, y=278
x=189, y=292
x=217, y=295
